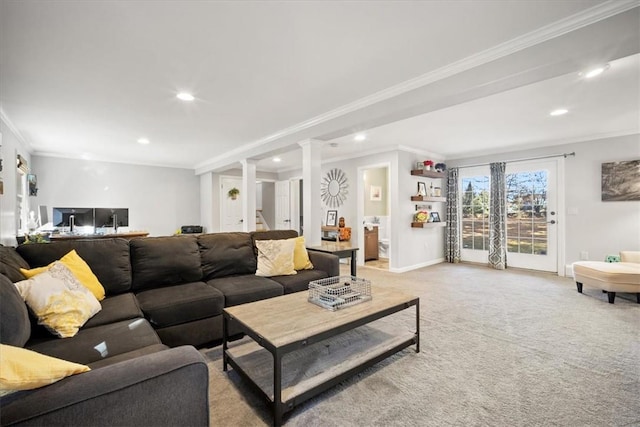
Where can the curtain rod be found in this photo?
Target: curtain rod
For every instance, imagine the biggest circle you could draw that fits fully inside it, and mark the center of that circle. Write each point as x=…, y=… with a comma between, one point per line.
x=565, y=155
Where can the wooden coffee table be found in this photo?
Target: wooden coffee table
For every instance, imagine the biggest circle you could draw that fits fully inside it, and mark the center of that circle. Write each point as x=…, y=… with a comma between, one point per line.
x=290, y=325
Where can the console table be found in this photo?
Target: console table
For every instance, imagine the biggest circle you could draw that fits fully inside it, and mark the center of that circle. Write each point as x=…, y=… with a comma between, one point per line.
x=127, y=236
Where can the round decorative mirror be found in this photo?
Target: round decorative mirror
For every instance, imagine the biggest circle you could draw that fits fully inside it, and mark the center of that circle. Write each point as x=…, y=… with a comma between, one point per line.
x=333, y=188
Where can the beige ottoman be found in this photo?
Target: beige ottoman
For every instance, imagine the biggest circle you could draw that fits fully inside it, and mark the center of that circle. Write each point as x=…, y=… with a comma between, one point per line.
x=611, y=277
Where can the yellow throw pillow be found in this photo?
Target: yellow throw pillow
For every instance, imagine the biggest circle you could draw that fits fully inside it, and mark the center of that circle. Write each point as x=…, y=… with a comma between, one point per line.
x=79, y=268
x=275, y=257
x=24, y=369
x=301, y=259
x=60, y=302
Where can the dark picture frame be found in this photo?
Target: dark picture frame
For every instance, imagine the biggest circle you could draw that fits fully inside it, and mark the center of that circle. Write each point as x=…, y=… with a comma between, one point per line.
x=332, y=218
x=435, y=217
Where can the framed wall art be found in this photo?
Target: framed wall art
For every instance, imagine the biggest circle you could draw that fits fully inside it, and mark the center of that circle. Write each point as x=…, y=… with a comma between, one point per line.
x=621, y=181
x=375, y=193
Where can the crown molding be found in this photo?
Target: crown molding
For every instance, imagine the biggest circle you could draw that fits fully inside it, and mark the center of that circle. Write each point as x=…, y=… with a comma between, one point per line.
x=15, y=131
x=556, y=29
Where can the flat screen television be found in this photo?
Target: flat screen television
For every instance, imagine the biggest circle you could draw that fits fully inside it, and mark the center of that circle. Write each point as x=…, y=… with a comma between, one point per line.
x=82, y=217
x=105, y=217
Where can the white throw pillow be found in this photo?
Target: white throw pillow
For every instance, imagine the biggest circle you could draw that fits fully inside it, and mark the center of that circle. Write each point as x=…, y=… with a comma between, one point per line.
x=60, y=302
x=275, y=257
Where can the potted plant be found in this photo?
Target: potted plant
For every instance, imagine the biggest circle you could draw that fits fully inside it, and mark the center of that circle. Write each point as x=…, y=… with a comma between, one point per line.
x=428, y=164
x=233, y=193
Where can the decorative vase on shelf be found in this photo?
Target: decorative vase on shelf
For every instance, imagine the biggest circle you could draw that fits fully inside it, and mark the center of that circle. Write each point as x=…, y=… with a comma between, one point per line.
x=428, y=164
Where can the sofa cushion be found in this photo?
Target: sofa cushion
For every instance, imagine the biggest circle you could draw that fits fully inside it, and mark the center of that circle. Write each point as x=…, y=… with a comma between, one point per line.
x=24, y=369
x=94, y=344
x=108, y=259
x=226, y=254
x=11, y=263
x=178, y=304
x=61, y=303
x=247, y=288
x=164, y=261
x=114, y=309
x=299, y=282
x=15, y=326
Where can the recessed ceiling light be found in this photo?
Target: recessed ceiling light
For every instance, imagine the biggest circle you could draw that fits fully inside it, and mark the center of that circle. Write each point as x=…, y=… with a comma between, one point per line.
x=185, y=96
x=277, y=159
x=143, y=141
x=333, y=144
x=360, y=137
x=559, y=112
x=596, y=71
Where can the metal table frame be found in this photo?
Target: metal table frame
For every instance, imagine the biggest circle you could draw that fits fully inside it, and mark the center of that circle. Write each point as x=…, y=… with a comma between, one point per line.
x=279, y=408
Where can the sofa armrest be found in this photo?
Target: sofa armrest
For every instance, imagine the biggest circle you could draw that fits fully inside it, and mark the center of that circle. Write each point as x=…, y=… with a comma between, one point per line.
x=325, y=262
x=169, y=387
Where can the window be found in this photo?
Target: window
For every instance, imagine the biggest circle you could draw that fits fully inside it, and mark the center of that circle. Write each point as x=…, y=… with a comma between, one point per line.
x=475, y=212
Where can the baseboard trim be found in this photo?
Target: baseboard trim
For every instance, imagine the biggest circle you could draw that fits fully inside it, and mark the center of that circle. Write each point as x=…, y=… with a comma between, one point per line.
x=417, y=266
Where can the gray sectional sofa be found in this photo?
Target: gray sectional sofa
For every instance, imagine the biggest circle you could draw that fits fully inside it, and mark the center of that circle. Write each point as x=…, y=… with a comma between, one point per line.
x=164, y=295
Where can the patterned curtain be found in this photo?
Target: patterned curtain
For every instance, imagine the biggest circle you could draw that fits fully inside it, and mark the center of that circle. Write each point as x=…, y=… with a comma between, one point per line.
x=452, y=239
x=497, y=215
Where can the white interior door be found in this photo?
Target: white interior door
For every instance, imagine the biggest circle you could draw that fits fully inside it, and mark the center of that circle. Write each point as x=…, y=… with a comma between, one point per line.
x=532, y=215
x=230, y=210
x=283, y=205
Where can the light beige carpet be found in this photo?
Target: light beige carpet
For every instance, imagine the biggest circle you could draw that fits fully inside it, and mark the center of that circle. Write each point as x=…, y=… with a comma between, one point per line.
x=498, y=348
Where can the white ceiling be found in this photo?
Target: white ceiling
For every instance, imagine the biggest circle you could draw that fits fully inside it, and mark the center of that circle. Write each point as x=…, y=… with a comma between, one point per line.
x=87, y=79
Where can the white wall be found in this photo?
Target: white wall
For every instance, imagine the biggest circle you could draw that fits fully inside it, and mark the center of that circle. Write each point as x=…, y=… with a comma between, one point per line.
x=11, y=147
x=206, y=202
x=410, y=248
x=416, y=246
x=597, y=227
x=160, y=200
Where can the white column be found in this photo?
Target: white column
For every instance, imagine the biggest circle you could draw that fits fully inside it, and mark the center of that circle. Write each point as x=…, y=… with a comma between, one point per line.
x=248, y=195
x=311, y=175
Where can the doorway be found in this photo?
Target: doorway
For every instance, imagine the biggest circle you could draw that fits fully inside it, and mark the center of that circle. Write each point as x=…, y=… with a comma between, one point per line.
x=375, y=216
x=531, y=219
